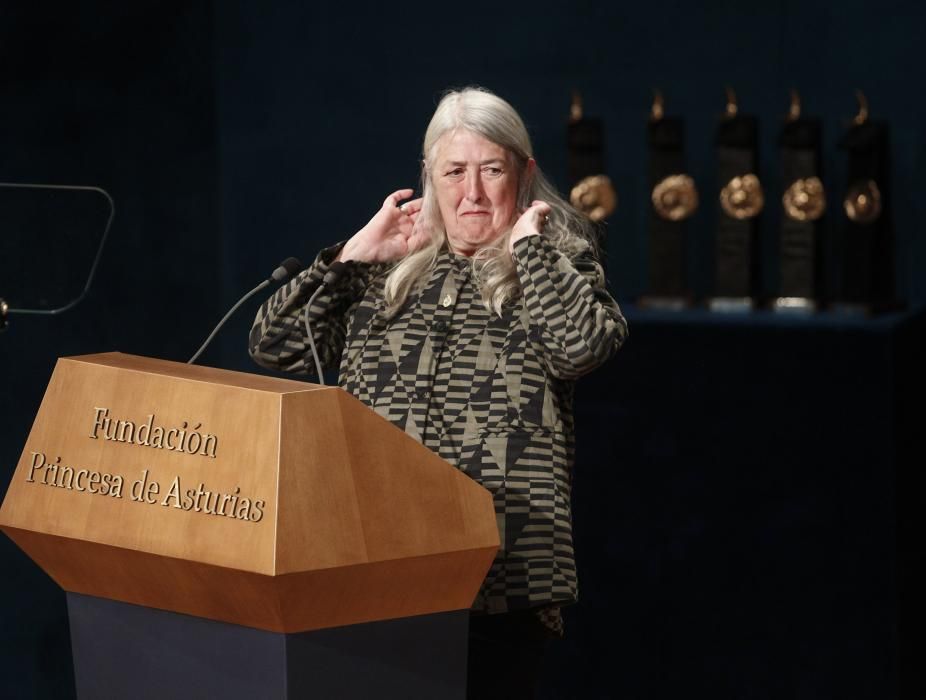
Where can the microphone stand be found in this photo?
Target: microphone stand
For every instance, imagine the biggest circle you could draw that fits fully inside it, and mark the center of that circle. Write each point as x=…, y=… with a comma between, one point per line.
x=262, y=285
x=287, y=269
x=96, y=260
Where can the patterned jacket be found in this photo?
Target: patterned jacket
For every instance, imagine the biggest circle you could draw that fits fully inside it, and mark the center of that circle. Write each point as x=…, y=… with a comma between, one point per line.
x=490, y=395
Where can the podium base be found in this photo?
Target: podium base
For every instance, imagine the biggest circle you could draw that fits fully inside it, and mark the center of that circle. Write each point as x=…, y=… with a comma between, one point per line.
x=129, y=651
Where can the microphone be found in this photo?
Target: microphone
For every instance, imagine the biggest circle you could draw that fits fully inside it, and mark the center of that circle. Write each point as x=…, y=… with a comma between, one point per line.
x=334, y=271
x=287, y=269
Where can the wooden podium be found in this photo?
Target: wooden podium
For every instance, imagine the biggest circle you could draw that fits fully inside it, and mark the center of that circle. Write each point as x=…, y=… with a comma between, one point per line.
x=228, y=535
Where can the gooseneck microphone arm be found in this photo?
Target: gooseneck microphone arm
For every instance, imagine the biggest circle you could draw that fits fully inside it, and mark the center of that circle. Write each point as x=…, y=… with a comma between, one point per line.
x=287, y=269
x=334, y=270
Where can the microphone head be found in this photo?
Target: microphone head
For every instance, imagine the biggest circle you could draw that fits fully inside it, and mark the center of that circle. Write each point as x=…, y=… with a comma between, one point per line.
x=334, y=271
x=288, y=268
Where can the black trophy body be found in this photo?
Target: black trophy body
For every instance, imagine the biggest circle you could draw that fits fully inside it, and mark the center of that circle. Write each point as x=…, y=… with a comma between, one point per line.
x=800, y=251
x=736, y=249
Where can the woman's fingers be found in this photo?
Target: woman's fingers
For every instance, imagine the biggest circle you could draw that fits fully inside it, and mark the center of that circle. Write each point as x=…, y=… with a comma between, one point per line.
x=396, y=197
x=540, y=211
x=540, y=208
x=411, y=208
x=411, y=212
x=405, y=224
x=385, y=235
x=530, y=223
x=407, y=215
x=418, y=238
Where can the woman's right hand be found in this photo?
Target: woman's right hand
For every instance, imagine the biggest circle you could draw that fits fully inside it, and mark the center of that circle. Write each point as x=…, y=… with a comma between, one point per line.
x=390, y=234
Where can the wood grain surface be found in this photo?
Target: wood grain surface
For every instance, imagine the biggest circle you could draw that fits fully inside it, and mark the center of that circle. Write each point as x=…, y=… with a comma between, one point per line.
x=356, y=522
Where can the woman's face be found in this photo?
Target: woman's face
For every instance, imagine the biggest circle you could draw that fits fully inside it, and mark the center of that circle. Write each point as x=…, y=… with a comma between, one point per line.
x=477, y=189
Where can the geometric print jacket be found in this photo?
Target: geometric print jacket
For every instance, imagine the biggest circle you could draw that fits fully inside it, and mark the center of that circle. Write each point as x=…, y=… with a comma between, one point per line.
x=491, y=395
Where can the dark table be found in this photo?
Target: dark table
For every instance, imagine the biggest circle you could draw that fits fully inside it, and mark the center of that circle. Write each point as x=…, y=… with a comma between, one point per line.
x=748, y=511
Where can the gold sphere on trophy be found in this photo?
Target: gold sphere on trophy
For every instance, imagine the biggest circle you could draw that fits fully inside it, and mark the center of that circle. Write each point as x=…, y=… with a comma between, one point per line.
x=675, y=197
x=742, y=197
x=805, y=199
x=595, y=196
x=863, y=202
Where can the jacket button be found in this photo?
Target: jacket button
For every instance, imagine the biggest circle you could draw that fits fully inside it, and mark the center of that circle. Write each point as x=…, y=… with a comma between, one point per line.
x=440, y=326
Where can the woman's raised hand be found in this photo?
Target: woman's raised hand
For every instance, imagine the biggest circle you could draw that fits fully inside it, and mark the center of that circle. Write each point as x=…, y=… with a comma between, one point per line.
x=390, y=234
x=530, y=223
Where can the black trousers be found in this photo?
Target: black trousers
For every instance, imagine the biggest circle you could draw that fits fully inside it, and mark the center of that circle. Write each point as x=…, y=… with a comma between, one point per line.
x=505, y=655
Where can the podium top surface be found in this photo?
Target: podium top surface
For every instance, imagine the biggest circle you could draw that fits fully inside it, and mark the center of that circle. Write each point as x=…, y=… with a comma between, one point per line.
x=196, y=373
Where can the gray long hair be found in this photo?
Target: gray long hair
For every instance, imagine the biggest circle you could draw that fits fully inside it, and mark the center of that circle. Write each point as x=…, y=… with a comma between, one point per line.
x=479, y=111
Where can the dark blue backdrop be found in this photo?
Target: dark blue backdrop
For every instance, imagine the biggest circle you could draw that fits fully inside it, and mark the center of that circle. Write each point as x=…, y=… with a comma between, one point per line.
x=235, y=134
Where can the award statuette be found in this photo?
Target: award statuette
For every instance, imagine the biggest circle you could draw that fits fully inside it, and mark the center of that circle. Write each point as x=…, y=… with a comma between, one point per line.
x=674, y=199
x=736, y=253
x=866, y=232
x=591, y=190
x=803, y=203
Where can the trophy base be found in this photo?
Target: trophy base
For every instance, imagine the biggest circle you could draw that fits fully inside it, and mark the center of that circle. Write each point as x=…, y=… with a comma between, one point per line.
x=731, y=304
x=868, y=308
x=794, y=305
x=668, y=303
x=851, y=308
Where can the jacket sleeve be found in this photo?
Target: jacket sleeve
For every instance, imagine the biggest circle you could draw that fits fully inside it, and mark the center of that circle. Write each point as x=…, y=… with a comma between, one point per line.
x=579, y=325
x=278, y=337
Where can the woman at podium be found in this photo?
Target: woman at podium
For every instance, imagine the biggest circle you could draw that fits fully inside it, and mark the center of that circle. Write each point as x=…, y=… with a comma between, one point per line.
x=464, y=317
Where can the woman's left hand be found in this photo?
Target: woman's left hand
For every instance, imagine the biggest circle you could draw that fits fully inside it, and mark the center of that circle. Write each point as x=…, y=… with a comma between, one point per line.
x=530, y=223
